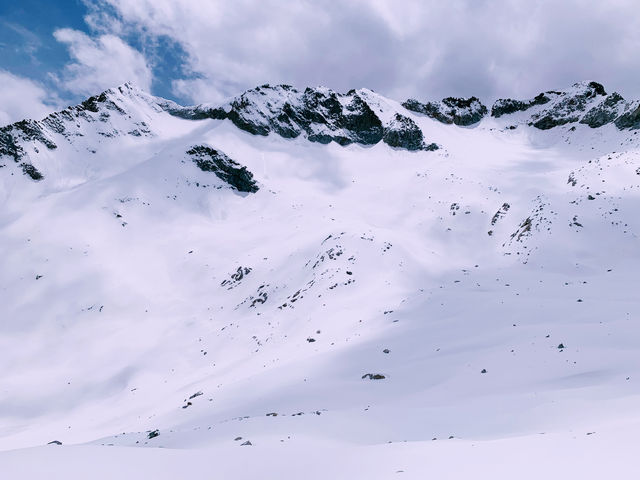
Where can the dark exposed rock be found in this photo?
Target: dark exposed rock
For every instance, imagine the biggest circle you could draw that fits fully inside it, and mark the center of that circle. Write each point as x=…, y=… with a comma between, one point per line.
x=96, y=103
x=23, y=131
x=403, y=132
x=598, y=89
x=153, y=434
x=459, y=111
x=227, y=170
x=236, y=277
x=320, y=114
x=8, y=145
x=323, y=115
x=630, y=118
x=505, y=106
x=587, y=103
x=604, y=113
x=32, y=171
x=502, y=211
x=31, y=130
x=373, y=376
x=91, y=103
x=550, y=121
x=567, y=107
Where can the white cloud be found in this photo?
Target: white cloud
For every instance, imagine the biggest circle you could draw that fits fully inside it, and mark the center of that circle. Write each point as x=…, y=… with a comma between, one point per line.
x=22, y=98
x=423, y=48
x=101, y=63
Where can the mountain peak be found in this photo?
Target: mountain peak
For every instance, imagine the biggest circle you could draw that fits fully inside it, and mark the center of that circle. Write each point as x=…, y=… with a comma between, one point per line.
x=585, y=102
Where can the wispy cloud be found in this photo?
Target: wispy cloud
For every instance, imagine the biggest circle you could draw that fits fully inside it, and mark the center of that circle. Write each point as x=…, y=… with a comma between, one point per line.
x=101, y=62
x=23, y=98
x=29, y=42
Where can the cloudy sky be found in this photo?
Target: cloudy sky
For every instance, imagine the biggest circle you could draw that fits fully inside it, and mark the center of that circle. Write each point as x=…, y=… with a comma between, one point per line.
x=54, y=53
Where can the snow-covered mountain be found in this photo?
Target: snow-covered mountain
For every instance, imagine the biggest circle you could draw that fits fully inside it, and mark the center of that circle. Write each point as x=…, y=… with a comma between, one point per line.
x=321, y=284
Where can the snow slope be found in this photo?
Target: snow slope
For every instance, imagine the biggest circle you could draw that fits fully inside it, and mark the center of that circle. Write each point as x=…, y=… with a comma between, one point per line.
x=369, y=310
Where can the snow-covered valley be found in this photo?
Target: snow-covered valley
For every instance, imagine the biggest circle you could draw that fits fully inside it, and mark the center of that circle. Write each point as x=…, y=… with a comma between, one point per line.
x=205, y=291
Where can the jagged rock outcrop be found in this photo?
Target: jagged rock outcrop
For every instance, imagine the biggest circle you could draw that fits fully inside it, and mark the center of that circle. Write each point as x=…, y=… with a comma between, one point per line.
x=210, y=160
x=25, y=131
x=586, y=103
x=403, y=132
x=319, y=114
x=505, y=106
x=630, y=119
x=459, y=111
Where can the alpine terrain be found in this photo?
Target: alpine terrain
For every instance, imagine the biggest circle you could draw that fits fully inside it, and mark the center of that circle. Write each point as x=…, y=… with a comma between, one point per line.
x=313, y=284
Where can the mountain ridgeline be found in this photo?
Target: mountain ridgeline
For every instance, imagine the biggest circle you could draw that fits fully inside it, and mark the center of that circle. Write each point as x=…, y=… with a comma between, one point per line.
x=318, y=114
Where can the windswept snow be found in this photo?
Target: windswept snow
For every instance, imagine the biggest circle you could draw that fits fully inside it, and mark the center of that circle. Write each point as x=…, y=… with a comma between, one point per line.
x=368, y=312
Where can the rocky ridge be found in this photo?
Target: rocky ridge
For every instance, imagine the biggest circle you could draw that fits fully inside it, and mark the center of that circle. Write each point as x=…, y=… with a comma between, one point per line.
x=108, y=115
x=586, y=103
x=451, y=110
x=320, y=115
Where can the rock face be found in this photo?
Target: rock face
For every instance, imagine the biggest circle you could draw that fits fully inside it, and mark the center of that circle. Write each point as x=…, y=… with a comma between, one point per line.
x=210, y=160
x=319, y=114
x=459, y=111
x=26, y=131
x=505, y=106
x=587, y=103
x=403, y=132
x=630, y=118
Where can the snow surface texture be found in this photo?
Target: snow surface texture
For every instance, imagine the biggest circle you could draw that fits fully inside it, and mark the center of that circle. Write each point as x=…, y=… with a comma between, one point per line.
x=320, y=303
